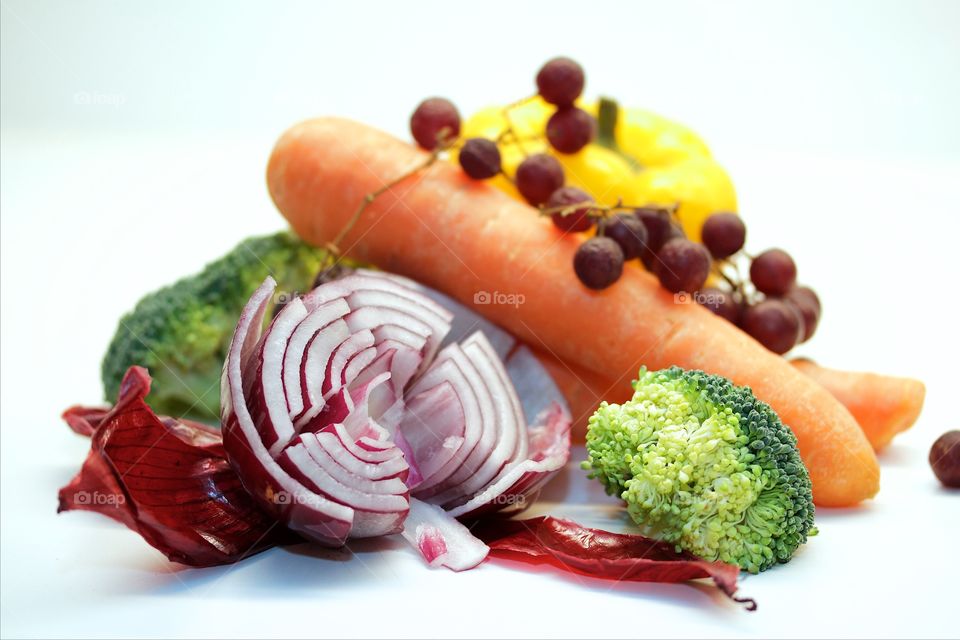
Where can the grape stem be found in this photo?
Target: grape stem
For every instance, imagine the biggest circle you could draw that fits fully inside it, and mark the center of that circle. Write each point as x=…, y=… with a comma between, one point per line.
x=597, y=210
x=334, y=247
x=506, y=118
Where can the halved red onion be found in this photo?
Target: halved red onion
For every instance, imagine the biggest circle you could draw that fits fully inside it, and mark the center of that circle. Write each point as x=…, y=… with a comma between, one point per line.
x=303, y=404
x=350, y=400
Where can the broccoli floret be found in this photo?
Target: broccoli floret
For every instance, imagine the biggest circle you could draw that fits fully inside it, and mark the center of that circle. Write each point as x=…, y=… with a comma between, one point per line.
x=704, y=465
x=181, y=332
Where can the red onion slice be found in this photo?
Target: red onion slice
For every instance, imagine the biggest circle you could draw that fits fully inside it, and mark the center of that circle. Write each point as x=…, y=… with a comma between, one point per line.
x=313, y=369
x=302, y=338
x=433, y=428
x=374, y=288
x=358, y=341
x=550, y=450
x=302, y=510
x=441, y=539
x=486, y=461
x=450, y=367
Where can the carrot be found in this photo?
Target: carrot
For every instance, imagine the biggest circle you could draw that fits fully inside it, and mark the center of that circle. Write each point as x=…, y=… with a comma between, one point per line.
x=465, y=238
x=883, y=405
x=584, y=390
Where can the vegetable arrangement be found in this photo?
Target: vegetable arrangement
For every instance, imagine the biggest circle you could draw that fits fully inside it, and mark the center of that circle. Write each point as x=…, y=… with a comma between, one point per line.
x=442, y=236
x=405, y=399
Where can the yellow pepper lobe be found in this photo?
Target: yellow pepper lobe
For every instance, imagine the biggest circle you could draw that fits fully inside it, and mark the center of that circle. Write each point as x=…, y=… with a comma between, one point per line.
x=666, y=162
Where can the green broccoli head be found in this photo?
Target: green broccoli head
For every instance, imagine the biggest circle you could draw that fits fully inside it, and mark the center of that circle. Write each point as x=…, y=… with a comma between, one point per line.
x=181, y=332
x=704, y=465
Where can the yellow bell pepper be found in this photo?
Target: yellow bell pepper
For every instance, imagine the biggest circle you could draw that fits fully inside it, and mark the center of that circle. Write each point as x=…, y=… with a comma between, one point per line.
x=648, y=160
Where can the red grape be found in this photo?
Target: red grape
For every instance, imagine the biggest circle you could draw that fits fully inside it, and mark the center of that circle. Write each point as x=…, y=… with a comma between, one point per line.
x=773, y=323
x=724, y=234
x=578, y=219
x=720, y=302
x=570, y=129
x=682, y=265
x=433, y=120
x=659, y=229
x=628, y=232
x=945, y=459
x=808, y=304
x=598, y=262
x=480, y=158
x=538, y=177
x=560, y=81
x=773, y=272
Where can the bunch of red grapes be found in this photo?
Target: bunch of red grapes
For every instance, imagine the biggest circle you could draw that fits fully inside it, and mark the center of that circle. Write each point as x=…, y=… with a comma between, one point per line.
x=774, y=310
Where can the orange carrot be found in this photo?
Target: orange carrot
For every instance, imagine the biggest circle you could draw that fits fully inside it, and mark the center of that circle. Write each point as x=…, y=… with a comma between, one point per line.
x=584, y=390
x=466, y=238
x=883, y=405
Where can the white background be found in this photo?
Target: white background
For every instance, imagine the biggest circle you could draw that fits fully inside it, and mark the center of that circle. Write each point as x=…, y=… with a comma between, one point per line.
x=134, y=139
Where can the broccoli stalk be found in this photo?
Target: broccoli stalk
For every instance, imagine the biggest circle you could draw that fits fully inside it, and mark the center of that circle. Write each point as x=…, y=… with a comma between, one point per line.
x=703, y=464
x=181, y=332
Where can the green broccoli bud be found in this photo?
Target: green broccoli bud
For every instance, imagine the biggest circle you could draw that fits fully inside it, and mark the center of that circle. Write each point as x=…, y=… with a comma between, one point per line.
x=703, y=464
x=181, y=332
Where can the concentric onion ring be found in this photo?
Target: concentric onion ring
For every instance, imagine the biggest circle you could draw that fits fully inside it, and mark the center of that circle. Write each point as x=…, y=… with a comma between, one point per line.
x=351, y=399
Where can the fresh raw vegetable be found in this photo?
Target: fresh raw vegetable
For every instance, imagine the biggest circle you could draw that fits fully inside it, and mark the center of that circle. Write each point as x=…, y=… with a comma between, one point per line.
x=464, y=238
x=354, y=372
x=945, y=459
x=883, y=405
x=181, y=332
x=706, y=466
x=602, y=554
x=168, y=480
x=451, y=432
x=636, y=157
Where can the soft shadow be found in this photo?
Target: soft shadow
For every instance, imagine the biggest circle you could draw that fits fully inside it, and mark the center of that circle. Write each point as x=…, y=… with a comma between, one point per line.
x=895, y=455
x=701, y=595
x=836, y=513
x=300, y=568
x=557, y=489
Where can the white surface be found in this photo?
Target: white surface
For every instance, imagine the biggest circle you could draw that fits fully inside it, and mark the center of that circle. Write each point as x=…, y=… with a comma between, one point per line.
x=837, y=121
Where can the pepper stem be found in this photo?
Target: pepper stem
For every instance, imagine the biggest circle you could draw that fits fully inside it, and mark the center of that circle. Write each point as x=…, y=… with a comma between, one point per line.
x=608, y=111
